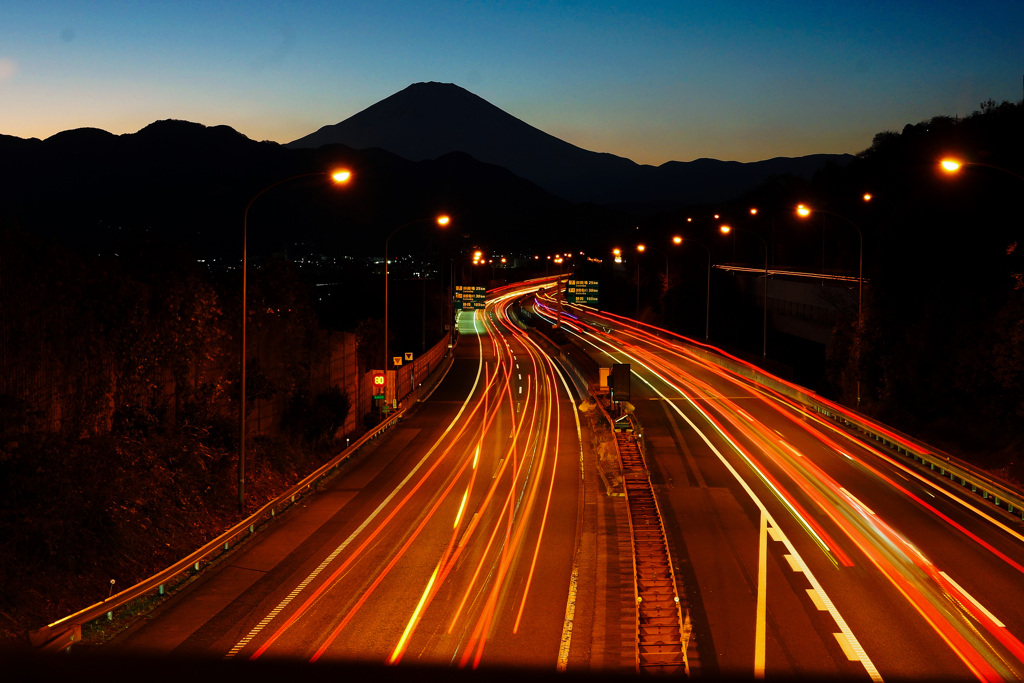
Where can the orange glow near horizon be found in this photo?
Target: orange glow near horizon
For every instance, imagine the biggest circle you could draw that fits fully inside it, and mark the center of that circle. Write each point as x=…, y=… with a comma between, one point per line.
x=950, y=165
x=443, y=220
x=341, y=176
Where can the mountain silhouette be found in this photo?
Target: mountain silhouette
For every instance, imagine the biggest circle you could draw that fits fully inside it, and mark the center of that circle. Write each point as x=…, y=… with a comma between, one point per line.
x=427, y=120
x=191, y=183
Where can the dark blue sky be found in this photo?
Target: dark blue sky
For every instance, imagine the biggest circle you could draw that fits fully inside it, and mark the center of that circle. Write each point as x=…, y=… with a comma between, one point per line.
x=652, y=81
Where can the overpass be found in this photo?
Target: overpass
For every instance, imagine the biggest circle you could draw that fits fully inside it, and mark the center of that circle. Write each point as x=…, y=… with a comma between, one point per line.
x=800, y=304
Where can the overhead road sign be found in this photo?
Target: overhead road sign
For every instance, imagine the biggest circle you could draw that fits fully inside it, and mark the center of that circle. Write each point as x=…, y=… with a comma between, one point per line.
x=583, y=292
x=470, y=297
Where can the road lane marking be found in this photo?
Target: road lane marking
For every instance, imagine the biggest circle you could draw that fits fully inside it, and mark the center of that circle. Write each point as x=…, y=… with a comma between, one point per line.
x=848, y=649
x=762, y=596
x=852, y=641
x=570, y=614
x=687, y=453
x=856, y=502
x=816, y=599
x=337, y=551
x=791, y=449
x=973, y=601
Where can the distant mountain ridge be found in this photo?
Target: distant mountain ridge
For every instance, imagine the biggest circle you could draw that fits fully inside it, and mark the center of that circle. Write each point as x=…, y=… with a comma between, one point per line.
x=191, y=183
x=427, y=120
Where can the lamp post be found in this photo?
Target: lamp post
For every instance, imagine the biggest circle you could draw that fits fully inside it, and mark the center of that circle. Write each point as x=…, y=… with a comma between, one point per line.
x=340, y=177
x=951, y=165
x=678, y=239
x=442, y=220
x=558, y=291
x=640, y=248
x=725, y=230
x=477, y=260
x=804, y=211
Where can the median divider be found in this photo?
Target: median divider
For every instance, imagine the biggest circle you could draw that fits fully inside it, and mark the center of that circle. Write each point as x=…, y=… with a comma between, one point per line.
x=577, y=363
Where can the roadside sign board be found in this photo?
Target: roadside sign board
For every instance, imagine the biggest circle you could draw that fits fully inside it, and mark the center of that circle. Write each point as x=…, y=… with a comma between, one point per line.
x=582, y=292
x=408, y=356
x=379, y=381
x=470, y=297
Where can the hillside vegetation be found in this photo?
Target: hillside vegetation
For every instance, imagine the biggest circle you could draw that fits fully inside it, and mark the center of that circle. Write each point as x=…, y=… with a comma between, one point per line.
x=940, y=353
x=119, y=413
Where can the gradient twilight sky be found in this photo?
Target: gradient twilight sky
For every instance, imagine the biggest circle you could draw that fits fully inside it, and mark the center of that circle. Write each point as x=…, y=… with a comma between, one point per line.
x=651, y=81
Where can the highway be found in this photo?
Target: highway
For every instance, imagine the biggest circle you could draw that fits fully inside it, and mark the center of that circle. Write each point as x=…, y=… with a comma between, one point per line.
x=452, y=542
x=801, y=549
x=806, y=551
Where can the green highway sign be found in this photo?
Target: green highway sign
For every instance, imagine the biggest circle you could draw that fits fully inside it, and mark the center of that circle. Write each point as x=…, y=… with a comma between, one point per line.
x=470, y=297
x=582, y=292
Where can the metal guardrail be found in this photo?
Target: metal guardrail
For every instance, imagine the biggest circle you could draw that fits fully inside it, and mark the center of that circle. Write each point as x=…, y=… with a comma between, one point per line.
x=67, y=631
x=1002, y=495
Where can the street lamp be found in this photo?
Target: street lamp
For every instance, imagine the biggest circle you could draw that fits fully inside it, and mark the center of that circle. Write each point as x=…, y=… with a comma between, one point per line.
x=640, y=248
x=678, y=239
x=558, y=291
x=725, y=230
x=951, y=165
x=339, y=177
x=442, y=220
x=478, y=258
x=804, y=211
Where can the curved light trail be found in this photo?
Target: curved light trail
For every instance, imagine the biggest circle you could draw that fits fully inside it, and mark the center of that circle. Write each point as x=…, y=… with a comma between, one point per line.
x=969, y=630
x=480, y=501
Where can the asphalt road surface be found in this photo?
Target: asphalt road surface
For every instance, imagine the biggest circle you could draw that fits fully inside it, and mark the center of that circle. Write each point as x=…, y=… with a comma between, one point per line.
x=453, y=541
x=807, y=551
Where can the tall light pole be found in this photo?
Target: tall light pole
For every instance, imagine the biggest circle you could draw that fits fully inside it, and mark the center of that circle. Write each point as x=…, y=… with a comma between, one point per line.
x=725, y=230
x=477, y=260
x=340, y=177
x=678, y=239
x=640, y=248
x=804, y=211
x=558, y=291
x=441, y=220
